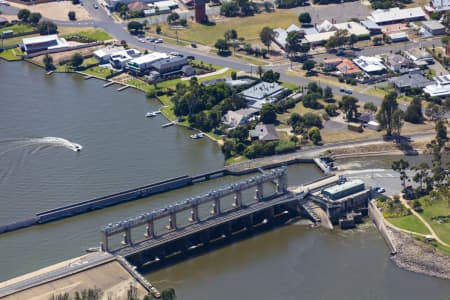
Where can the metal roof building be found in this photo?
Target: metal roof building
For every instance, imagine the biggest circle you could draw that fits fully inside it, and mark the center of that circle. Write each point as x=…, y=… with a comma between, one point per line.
x=338, y=191
x=396, y=15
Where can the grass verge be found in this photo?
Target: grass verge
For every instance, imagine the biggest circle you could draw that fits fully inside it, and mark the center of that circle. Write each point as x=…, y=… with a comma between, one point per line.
x=11, y=54
x=410, y=223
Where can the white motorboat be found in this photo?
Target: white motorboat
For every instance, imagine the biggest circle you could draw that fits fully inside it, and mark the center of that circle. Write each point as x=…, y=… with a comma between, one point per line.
x=77, y=147
x=150, y=114
x=197, y=135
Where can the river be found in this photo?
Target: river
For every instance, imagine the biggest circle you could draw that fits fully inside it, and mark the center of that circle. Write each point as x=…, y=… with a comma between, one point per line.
x=122, y=149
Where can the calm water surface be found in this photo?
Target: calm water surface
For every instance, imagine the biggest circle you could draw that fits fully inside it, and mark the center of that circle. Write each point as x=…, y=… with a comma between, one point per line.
x=122, y=149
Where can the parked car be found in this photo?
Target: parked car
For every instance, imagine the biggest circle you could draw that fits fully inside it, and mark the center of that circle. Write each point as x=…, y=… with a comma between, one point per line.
x=159, y=41
x=95, y=5
x=141, y=40
x=150, y=39
x=193, y=45
x=347, y=91
x=379, y=189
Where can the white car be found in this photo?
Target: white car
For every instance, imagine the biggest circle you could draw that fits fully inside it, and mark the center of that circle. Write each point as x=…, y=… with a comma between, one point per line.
x=141, y=40
x=4, y=3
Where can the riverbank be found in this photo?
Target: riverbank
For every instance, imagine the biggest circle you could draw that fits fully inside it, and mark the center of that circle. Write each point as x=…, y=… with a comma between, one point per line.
x=416, y=256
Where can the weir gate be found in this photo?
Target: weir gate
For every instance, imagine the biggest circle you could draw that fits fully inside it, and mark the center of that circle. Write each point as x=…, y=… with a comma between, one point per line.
x=147, y=247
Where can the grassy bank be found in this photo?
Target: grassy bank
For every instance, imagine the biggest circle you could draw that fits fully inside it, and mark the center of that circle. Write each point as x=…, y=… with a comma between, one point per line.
x=12, y=54
x=248, y=27
x=410, y=223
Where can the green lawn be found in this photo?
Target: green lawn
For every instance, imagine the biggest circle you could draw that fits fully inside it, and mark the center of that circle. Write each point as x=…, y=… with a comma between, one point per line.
x=435, y=209
x=17, y=40
x=246, y=27
x=95, y=34
x=411, y=223
x=11, y=54
x=98, y=71
x=19, y=28
x=140, y=85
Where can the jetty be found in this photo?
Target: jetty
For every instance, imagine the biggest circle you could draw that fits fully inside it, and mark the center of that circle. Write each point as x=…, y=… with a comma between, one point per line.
x=123, y=88
x=168, y=124
x=108, y=83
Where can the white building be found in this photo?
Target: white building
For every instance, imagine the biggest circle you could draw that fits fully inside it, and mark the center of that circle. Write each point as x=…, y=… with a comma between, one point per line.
x=44, y=42
x=370, y=64
x=145, y=62
x=397, y=15
x=103, y=54
x=281, y=36
x=441, y=88
x=119, y=59
x=326, y=30
x=440, y=5
x=262, y=93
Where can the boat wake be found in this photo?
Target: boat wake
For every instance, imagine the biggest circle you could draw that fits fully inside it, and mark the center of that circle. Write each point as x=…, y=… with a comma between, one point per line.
x=16, y=151
x=37, y=144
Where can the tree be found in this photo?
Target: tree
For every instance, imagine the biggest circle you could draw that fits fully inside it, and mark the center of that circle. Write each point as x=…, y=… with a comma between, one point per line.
x=327, y=93
x=260, y=71
x=308, y=65
x=158, y=29
x=339, y=38
x=312, y=120
x=76, y=60
x=230, y=35
x=233, y=75
x=435, y=111
x=47, y=27
x=397, y=120
x=270, y=76
x=34, y=18
x=304, y=48
x=304, y=18
x=23, y=15
x=267, y=35
x=172, y=17
x=349, y=106
x=168, y=294
x=293, y=42
x=72, y=16
x=48, y=62
x=331, y=109
x=229, y=9
x=401, y=166
x=134, y=27
x=441, y=132
x=388, y=106
x=413, y=113
x=268, y=114
x=75, y=2
x=370, y=106
x=221, y=45
x=377, y=41
x=296, y=122
x=352, y=40
x=314, y=135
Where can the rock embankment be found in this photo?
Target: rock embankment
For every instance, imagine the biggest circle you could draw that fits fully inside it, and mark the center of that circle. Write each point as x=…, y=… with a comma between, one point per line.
x=416, y=256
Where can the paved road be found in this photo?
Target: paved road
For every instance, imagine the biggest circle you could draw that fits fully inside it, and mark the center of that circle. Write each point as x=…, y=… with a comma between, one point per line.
x=87, y=262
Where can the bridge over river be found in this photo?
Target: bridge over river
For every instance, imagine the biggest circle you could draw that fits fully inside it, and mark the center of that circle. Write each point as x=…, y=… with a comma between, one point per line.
x=258, y=203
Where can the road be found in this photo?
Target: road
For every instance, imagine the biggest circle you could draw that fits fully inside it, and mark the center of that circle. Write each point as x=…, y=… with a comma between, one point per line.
x=103, y=20
x=58, y=271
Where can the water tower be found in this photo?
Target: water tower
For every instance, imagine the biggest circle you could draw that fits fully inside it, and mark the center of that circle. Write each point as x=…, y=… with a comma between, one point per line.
x=200, y=11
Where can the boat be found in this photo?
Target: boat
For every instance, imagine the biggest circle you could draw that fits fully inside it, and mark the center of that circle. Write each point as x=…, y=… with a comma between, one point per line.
x=93, y=249
x=77, y=147
x=150, y=114
x=197, y=135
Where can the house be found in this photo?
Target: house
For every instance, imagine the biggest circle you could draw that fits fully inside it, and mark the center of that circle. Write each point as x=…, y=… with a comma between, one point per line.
x=326, y=30
x=212, y=81
x=119, y=59
x=397, y=15
x=347, y=67
x=104, y=54
x=343, y=66
x=411, y=80
x=264, y=132
x=281, y=35
x=238, y=117
x=434, y=27
x=188, y=70
x=373, y=27
x=263, y=92
x=397, y=63
x=440, y=5
x=420, y=57
x=396, y=37
x=44, y=42
x=145, y=62
x=137, y=6
x=170, y=65
x=370, y=65
x=441, y=88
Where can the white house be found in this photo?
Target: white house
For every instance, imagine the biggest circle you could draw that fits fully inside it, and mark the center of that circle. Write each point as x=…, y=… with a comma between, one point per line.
x=239, y=117
x=44, y=42
x=440, y=5
x=370, y=64
x=145, y=62
x=441, y=88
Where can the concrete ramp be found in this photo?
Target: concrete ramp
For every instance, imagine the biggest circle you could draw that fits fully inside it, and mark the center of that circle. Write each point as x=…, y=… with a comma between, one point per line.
x=321, y=215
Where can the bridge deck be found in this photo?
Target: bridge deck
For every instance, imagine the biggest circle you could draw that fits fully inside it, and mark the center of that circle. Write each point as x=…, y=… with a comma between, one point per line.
x=203, y=225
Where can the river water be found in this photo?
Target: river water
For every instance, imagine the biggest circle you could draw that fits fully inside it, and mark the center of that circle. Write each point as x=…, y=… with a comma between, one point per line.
x=122, y=149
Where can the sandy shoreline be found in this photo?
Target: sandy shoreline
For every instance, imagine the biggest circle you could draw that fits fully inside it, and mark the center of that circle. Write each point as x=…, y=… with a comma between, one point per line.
x=418, y=257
